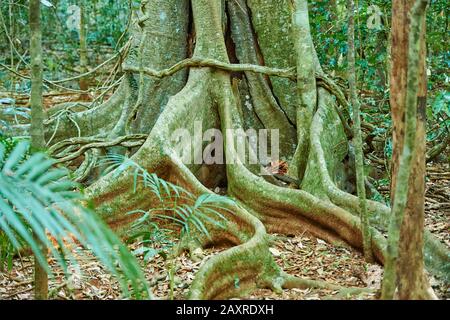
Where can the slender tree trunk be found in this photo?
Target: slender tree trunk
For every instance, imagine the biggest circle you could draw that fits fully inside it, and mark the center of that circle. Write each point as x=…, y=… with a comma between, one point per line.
x=306, y=85
x=412, y=283
x=37, y=120
x=359, y=156
x=404, y=259
x=83, y=50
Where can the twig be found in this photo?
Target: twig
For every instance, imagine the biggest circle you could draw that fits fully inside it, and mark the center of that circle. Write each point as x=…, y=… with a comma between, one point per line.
x=94, y=69
x=56, y=83
x=19, y=292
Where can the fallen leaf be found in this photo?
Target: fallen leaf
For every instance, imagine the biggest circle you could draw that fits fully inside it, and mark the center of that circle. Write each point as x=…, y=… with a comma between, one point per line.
x=275, y=252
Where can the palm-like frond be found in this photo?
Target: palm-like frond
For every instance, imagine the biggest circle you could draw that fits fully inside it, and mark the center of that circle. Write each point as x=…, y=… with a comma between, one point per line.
x=187, y=209
x=37, y=202
x=8, y=143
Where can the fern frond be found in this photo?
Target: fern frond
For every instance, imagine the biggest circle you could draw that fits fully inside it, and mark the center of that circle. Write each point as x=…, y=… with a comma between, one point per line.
x=187, y=210
x=37, y=199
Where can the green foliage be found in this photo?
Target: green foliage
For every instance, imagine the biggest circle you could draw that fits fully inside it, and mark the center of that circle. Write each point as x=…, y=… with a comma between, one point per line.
x=7, y=252
x=329, y=29
x=153, y=240
x=441, y=105
x=38, y=201
x=8, y=143
x=437, y=43
x=388, y=149
x=178, y=206
x=192, y=215
x=438, y=112
x=106, y=21
x=378, y=196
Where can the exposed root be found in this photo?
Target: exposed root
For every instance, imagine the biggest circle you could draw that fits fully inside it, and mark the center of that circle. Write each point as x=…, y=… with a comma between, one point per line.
x=89, y=162
x=76, y=147
x=236, y=270
x=289, y=282
x=380, y=213
x=206, y=63
x=274, y=204
x=95, y=121
x=113, y=194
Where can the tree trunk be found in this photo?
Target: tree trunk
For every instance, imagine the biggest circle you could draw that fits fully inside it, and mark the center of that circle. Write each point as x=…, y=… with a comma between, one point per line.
x=37, y=124
x=306, y=85
x=84, y=82
x=404, y=266
x=259, y=90
x=359, y=155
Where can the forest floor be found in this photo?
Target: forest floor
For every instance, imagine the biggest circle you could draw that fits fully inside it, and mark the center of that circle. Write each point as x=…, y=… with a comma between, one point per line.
x=302, y=256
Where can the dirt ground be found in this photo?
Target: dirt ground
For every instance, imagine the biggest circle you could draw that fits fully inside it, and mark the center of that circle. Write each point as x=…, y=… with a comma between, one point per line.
x=303, y=256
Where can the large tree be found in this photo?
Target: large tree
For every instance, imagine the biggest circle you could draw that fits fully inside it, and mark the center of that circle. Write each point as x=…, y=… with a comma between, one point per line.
x=228, y=65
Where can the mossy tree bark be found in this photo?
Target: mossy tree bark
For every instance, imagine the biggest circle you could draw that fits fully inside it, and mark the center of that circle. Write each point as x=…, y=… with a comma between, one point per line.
x=306, y=85
x=223, y=86
x=405, y=263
